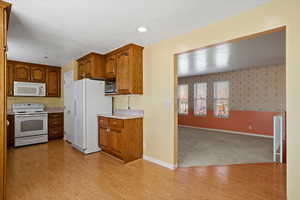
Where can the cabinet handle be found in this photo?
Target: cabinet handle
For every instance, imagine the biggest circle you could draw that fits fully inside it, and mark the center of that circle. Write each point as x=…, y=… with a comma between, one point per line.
x=7, y=123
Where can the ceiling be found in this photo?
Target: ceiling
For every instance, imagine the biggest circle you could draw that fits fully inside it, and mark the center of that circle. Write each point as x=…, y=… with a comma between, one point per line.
x=58, y=31
x=260, y=51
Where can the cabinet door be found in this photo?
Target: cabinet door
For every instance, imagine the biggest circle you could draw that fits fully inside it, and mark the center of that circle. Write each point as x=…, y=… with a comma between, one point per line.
x=53, y=82
x=111, y=65
x=123, y=73
x=80, y=70
x=84, y=69
x=21, y=72
x=38, y=74
x=103, y=139
x=55, y=133
x=10, y=79
x=55, y=125
x=116, y=142
x=88, y=68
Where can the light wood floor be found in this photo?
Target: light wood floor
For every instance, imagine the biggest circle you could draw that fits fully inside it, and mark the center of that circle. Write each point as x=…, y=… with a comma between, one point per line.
x=56, y=171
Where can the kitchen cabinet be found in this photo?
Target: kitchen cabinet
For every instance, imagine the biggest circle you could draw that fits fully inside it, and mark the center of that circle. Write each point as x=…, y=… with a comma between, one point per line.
x=123, y=65
x=111, y=67
x=103, y=138
x=55, y=125
x=29, y=72
x=53, y=82
x=123, y=71
x=21, y=72
x=128, y=69
x=117, y=142
x=122, y=138
x=10, y=130
x=38, y=74
x=91, y=66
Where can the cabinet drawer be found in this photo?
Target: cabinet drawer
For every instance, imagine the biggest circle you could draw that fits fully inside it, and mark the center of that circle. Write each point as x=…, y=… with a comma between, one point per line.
x=55, y=133
x=103, y=122
x=56, y=122
x=55, y=115
x=116, y=123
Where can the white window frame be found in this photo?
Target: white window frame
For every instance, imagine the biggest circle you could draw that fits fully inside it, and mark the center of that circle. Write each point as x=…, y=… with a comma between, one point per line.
x=196, y=98
x=179, y=100
x=216, y=99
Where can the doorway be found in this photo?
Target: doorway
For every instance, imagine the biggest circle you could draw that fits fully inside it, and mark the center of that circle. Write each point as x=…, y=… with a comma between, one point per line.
x=231, y=101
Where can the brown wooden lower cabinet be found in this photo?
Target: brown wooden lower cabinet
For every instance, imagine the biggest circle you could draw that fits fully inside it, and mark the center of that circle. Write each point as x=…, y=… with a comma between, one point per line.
x=122, y=138
x=55, y=125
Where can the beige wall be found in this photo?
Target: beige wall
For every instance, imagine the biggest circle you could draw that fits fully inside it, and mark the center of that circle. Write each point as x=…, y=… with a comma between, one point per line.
x=159, y=98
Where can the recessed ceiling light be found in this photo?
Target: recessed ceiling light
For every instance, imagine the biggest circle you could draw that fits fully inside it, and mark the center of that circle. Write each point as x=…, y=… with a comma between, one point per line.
x=142, y=29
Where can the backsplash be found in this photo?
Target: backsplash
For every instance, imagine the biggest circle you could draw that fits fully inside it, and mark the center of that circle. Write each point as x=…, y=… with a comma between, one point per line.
x=48, y=101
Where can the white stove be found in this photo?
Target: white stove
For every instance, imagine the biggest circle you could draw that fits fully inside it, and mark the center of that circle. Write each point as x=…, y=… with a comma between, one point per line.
x=31, y=124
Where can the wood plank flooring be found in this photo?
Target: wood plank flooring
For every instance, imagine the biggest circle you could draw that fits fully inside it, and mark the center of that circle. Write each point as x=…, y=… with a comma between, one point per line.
x=57, y=171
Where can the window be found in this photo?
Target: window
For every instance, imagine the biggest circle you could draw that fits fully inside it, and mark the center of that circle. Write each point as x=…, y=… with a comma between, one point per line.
x=200, y=94
x=183, y=99
x=221, y=98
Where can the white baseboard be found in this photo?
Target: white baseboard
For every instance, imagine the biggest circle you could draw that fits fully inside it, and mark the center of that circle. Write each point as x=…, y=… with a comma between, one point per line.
x=159, y=162
x=227, y=131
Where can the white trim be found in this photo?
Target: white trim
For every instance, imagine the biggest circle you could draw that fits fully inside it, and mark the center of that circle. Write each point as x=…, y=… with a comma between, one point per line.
x=227, y=131
x=159, y=162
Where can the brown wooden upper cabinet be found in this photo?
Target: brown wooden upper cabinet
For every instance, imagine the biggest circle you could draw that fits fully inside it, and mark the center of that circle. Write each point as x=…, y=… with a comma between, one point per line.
x=128, y=66
x=91, y=66
x=111, y=66
x=38, y=74
x=53, y=81
x=124, y=65
x=29, y=72
x=21, y=72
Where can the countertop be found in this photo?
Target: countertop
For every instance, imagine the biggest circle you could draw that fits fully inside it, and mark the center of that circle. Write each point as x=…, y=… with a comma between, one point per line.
x=54, y=110
x=124, y=114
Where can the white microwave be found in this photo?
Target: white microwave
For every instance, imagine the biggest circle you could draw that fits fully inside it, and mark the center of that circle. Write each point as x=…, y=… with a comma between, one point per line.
x=29, y=89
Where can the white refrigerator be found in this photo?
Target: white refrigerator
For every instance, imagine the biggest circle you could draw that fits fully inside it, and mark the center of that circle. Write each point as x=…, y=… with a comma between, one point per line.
x=89, y=100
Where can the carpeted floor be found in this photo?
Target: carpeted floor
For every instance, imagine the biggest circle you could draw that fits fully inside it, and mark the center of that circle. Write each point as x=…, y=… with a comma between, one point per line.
x=201, y=148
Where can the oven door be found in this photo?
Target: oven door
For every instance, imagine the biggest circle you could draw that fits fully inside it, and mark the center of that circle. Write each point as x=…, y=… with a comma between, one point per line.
x=31, y=124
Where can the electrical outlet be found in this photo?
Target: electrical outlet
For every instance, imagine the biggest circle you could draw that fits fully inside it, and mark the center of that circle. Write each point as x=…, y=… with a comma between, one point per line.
x=250, y=127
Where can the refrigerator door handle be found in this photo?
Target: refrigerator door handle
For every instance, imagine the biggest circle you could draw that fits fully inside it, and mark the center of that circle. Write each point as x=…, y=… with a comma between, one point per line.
x=75, y=108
